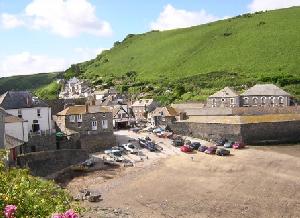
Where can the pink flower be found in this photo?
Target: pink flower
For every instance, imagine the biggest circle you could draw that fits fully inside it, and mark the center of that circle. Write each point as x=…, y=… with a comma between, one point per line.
x=9, y=211
x=71, y=214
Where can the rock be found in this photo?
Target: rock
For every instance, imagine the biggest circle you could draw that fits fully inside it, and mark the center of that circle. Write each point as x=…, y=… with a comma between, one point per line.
x=94, y=197
x=79, y=197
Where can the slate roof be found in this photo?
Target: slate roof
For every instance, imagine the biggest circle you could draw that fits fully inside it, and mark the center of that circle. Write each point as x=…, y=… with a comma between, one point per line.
x=12, y=142
x=81, y=109
x=265, y=90
x=20, y=99
x=227, y=92
x=13, y=119
x=142, y=103
x=167, y=111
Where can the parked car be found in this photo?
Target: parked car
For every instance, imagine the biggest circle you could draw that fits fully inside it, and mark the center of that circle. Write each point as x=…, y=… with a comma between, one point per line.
x=185, y=149
x=177, y=142
x=150, y=146
x=221, y=142
x=187, y=142
x=222, y=152
x=120, y=148
x=238, y=145
x=228, y=144
x=131, y=148
x=211, y=150
x=202, y=148
x=195, y=145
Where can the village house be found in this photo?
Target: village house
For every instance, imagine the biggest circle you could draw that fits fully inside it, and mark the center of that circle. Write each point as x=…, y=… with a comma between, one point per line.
x=266, y=95
x=75, y=88
x=163, y=116
x=142, y=107
x=122, y=116
x=24, y=105
x=226, y=97
x=93, y=123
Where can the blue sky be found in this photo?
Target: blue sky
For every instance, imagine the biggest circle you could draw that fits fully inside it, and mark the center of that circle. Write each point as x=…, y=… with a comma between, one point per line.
x=49, y=35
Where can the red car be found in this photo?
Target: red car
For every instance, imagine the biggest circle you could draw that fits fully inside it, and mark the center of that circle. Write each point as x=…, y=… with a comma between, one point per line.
x=238, y=145
x=185, y=149
x=211, y=150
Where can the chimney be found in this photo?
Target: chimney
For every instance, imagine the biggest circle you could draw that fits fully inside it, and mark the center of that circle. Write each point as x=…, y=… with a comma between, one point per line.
x=86, y=108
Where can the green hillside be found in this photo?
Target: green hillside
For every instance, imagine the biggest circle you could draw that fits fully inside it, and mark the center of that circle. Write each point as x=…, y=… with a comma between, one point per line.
x=191, y=63
x=26, y=82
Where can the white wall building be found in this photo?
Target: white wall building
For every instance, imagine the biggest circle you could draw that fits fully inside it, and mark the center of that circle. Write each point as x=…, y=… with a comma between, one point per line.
x=23, y=105
x=16, y=127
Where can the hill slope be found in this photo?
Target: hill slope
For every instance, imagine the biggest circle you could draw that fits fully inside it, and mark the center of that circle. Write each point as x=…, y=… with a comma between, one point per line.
x=241, y=51
x=189, y=64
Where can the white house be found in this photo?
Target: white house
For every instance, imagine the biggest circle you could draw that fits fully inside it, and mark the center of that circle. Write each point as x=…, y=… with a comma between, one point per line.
x=23, y=104
x=75, y=88
x=16, y=127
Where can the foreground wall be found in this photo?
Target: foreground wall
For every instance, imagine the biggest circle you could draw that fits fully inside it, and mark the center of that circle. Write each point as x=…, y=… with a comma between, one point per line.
x=48, y=162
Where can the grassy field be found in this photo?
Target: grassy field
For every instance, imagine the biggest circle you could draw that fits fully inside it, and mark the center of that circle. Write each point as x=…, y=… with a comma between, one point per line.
x=190, y=64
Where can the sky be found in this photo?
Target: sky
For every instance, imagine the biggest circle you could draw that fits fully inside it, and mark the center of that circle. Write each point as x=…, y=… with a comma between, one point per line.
x=49, y=35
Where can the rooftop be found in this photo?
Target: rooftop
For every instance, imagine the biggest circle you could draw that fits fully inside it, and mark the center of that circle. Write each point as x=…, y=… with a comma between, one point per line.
x=227, y=92
x=20, y=99
x=83, y=109
x=265, y=89
x=142, y=102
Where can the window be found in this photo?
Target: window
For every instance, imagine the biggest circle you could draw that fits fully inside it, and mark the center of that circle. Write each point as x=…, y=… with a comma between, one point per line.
x=79, y=118
x=255, y=101
x=223, y=99
x=272, y=100
x=246, y=100
x=38, y=111
x=232, y=101
x=104, y=124
x=119, y=116
x=214, y=104
x=263, y=100
x=19, y=113
x=281, y=101
x=104, y=115
x=72, y=118
x=94, y=125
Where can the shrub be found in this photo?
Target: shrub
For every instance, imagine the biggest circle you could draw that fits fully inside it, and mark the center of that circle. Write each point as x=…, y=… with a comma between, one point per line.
x=33, y=197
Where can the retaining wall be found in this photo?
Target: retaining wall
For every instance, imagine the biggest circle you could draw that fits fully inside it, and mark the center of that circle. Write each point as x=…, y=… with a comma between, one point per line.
x=48, y=162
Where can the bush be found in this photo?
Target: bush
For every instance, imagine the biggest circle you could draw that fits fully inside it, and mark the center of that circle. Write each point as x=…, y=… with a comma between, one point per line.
x=34, y=197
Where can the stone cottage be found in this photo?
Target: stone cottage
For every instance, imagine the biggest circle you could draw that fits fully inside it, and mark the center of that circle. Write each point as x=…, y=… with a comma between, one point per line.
x=226, y=97
x=93, y=123
x=265, y=95
x=142, y=107
x=163, y=116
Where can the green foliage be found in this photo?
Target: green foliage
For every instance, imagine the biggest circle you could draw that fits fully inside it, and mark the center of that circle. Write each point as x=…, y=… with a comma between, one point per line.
x=26, y=82
x=49, y=92
x=33, y=196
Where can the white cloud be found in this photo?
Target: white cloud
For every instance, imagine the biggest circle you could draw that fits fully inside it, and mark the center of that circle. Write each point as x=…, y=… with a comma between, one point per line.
x=27, y=63
x=172, y=18
x=67, y=18
x=10, y=21
x=260, y=5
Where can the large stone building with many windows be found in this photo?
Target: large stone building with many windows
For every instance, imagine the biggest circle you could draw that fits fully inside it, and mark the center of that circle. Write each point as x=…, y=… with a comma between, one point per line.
x=262, y=95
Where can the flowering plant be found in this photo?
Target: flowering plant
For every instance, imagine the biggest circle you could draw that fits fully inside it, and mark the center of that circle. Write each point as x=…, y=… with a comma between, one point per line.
x=67, y=214
x=9, y=211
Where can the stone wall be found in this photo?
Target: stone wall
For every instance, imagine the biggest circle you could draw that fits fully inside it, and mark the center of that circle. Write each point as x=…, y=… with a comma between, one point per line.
x=48, y=162
x=244, y=111
x=249, y=133
x=214, y=131
x=271, y=133
x=99, y=142
x=37, y=143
